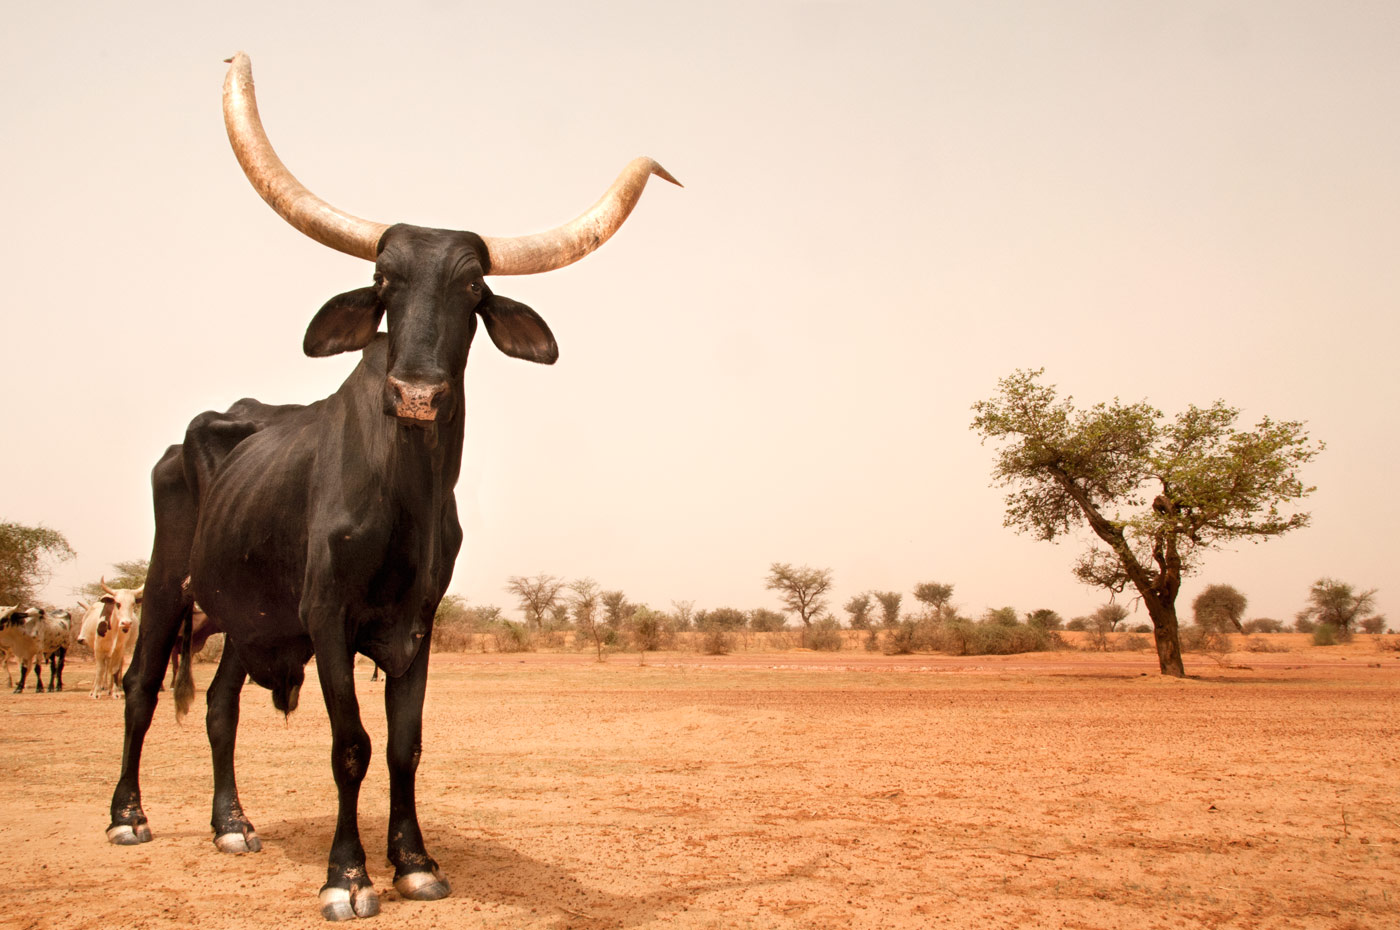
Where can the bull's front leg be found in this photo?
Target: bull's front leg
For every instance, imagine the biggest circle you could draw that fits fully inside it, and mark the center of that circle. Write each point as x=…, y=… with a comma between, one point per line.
x=348, y=891
x=416, y=875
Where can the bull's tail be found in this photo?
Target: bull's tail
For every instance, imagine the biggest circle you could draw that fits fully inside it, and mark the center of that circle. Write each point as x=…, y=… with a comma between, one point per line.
x=184, y=679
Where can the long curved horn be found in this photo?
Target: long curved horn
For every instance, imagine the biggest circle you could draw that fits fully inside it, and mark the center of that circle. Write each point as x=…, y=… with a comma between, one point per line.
x=276, y=185
x=103, y=582
x=566, y=244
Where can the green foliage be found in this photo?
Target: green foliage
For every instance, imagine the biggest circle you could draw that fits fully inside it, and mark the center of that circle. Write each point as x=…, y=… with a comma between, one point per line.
x=724, y=619
x=825, y=635
x=1078, y=624
x=1326, y=634
x=128, y=575
x=762, y=620
x=716, y=642
x=1220, y=607
x=1303, y=625
x=536, y=595
x=1203, y=640
x=859, y=609
x=1002, y=616
x=513, y=637
x=1373, y=625
x=26, y=557
x=1155, y=492
x=1107, y=617
x=803, y=590
x=935, y=596
x=889, y=607
x=1336, y=603
x=456, y=624
x=649, y=629
x=1046, y=619
x=616, y=609
x=1263, y=625
x=958, y=636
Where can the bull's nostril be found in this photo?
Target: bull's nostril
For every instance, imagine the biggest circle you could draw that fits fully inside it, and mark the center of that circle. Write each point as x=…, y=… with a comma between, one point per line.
x=416, y=401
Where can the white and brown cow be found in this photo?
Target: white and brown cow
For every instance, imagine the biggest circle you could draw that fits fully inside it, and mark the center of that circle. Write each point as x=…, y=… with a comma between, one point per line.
x=110, y=626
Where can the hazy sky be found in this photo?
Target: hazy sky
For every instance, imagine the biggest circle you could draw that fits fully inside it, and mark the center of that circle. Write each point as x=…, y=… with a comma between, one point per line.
x=888, y=206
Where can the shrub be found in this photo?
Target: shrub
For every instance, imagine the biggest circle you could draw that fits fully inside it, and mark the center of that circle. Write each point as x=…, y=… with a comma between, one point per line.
x=1325, y=634
x=1143, y=628
x=901, y=640
x=1260, y=644
x=1078, y=624
x=1133, y=642
x=716, y=642
x=648, y=629
x=872, y=639
x=1263, y=625
x=825, y=635
x=1199, y=639
x=1304, y=625
x=513, y=637
x=1373, y=625
x=1044, y=617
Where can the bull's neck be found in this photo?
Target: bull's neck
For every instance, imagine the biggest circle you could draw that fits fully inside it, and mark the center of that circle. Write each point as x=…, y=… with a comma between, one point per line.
x=423, y=461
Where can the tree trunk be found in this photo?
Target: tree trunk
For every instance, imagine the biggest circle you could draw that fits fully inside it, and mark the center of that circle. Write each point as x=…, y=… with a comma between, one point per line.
x=1164, y=630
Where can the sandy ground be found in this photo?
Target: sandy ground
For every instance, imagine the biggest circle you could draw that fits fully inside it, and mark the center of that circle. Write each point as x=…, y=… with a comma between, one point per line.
x=777, y=790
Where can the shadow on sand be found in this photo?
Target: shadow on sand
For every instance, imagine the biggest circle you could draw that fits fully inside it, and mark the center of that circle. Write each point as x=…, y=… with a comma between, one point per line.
x=487, y=871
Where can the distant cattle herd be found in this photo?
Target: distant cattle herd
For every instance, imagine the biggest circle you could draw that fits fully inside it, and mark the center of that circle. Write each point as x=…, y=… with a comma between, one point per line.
x=108, y=626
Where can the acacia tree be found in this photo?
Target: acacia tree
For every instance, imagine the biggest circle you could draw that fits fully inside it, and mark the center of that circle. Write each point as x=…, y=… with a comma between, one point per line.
x=537, y=596
x=859, y=609
x=1219, y=608
x=583, y=602
x=935, y=597
x=616, y=609
x=889, y=607
x=1107, y=616
x=1157, y=493
x=1337, y=604
x=130, y=574
x=803, y=590
x=26, y=557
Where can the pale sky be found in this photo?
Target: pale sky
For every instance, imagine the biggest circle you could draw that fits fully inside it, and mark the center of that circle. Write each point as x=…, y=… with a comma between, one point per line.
x=888, y=206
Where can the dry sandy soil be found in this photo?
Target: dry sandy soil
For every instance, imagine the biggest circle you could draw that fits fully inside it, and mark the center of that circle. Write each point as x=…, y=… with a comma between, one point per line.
x=761, y=790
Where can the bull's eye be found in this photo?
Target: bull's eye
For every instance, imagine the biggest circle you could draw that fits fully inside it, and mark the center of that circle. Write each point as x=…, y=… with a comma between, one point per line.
x=475, y=288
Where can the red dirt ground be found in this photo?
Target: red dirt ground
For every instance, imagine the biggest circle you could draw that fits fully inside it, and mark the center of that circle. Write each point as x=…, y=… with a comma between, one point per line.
x=778, y=790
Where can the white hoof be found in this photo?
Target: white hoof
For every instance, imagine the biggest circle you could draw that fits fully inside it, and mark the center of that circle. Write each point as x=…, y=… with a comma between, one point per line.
x=423, y=886
x=339, y=904
x=237, y=843
x=123, y=835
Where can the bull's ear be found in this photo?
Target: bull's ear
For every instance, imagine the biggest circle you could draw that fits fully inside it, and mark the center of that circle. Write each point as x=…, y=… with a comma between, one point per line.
x=517, y=330
x=346, y=323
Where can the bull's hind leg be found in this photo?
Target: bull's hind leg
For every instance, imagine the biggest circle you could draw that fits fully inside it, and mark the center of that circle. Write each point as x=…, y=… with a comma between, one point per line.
x=163, y=607
x=161, y=614
x=233, y=833
x=416, y=875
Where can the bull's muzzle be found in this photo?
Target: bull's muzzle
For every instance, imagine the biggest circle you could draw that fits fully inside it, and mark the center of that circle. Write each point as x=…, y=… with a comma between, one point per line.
x=416, y=403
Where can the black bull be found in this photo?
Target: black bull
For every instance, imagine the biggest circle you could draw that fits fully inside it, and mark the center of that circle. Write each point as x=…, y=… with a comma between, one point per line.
x=330, y=530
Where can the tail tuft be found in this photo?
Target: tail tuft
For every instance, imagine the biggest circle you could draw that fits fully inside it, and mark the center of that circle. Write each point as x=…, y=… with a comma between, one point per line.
x=184, y=680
